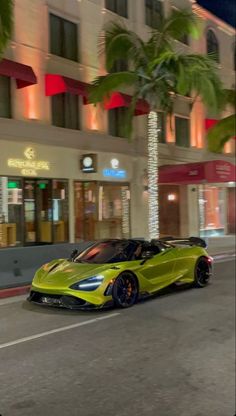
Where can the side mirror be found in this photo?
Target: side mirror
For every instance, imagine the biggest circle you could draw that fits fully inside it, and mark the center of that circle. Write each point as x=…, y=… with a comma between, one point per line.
x=146, y=255
x=73, y=254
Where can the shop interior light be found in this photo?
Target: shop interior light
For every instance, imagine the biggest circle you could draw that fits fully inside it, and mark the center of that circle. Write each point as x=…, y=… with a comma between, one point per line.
x=42, y=185
x=12, y=185
x=171, y=197
x=153, y=217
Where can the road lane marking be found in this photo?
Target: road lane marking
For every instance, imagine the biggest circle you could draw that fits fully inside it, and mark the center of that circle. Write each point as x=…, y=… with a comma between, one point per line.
x=57, y=330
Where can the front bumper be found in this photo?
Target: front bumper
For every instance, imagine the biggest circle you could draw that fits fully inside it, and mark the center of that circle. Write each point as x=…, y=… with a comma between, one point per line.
x=64, y=301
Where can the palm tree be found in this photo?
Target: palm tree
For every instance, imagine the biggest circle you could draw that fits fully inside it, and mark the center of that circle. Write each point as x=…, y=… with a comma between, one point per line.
x=157, y=74
x=6, y=12
x=225, y=129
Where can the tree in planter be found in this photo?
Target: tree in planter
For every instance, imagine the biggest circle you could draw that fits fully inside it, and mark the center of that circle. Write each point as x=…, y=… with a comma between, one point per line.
x=6, y=12
x=157, y=74
x=225, y=129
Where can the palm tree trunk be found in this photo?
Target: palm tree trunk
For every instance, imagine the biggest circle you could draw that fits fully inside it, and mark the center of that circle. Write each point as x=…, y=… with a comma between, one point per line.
x=153, y=201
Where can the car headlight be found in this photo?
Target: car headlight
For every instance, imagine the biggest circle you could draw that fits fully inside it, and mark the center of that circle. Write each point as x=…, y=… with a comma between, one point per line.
x=92, y=283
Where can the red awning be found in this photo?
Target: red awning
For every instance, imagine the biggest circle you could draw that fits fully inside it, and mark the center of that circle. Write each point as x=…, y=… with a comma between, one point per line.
x=119, y=99
x=23, y=74
x=210, y=122
x=213, y=171
x=57, y=84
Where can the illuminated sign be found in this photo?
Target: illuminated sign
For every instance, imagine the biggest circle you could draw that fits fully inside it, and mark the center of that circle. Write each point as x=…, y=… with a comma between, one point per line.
x=114, y=172
x=115, y=163
x=88, y=163
x=29, y=166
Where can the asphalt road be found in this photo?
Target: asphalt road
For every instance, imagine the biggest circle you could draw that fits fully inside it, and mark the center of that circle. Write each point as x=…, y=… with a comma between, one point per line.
x=172, y=355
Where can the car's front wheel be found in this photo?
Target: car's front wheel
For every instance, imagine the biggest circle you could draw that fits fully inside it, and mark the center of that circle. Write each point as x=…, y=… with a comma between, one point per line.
x=125, y=290
x=202, y=273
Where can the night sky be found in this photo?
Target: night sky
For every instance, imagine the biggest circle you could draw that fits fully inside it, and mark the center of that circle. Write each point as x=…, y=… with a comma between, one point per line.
x=225, y=9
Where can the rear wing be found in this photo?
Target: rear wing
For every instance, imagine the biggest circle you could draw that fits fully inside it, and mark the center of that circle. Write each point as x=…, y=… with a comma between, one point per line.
x=191, y=241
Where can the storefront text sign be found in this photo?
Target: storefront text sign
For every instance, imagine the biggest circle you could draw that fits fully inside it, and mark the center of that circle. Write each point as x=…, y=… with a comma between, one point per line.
x=114, y=171
x=29, y=166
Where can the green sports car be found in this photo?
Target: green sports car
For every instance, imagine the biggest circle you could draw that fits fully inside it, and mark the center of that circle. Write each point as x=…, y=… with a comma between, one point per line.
x=118, y=272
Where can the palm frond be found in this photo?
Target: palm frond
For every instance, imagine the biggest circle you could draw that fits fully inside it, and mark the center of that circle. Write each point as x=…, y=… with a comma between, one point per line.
x=6, y=21
x=121, y=43
x=219, y=134
x=179, y=23
x=102, y=86
x=198, y=73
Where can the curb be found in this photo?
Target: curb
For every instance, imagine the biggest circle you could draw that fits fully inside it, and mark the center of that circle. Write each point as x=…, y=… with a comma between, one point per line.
x=14, y=291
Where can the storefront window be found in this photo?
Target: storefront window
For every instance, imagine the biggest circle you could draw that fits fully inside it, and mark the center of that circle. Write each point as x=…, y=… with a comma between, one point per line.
x=11, y=211
x=102, y=210
x=212, y=211
x=33, y=211
x=60, y=211
x=5, y=97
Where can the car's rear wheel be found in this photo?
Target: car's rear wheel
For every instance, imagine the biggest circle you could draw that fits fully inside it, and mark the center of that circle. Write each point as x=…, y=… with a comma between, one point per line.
x=202, y=272
x=125, y=290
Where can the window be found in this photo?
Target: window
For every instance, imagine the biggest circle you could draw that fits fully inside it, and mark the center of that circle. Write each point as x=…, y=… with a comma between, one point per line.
x=11, y=212
x=119, y=66
x=212, y=211
x=102, y=210
x=162, y=127
x=118, y=6
x=184, y=39
x=63, y=38
x=235, y=57
x=116, y=121
x=5, y=97
x=65, y=111
x=182, y=131
x=154, y=13
x=212, y=45
x=60, y=210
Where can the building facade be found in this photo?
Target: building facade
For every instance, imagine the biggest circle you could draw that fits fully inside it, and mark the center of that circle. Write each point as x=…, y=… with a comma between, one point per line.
x=66, y=172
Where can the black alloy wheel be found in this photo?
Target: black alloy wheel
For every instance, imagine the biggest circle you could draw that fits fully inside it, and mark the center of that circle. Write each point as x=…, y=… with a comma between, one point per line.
x=202, y=273
x=125, y=290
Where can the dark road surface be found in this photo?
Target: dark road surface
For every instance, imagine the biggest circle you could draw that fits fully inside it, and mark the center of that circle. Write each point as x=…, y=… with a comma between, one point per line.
x=172, y=355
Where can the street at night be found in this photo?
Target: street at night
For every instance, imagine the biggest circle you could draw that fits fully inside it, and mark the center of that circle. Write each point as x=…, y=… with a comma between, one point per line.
x=172, y=355
x=117, y=207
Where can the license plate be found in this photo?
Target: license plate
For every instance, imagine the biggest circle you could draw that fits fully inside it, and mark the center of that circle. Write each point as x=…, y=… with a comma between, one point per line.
x=50, y=301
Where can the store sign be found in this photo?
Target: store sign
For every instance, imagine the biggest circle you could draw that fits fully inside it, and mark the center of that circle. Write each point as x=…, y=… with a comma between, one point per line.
x=114, y=171
x=30, y=165
x=88, y=163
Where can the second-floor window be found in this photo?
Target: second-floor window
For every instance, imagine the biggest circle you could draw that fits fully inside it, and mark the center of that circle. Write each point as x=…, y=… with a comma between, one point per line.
x=153, y=13
x=65, y=111
x=212, y=45
x=119, y=66
x=118, y=6
x=5, y=97
x=117, y=121
x=182, y=131
x=235, y=57
x=63, y=38
x=161, y=127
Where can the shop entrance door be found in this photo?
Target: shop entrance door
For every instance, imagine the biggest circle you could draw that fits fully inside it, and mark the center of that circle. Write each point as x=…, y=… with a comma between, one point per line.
x=38, y=211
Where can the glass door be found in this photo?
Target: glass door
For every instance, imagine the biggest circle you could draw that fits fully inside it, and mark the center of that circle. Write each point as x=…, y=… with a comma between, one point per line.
x=38, y=211
x=44, y=211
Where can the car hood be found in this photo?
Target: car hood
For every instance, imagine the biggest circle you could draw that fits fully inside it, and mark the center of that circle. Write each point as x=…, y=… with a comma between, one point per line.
x=63, y=273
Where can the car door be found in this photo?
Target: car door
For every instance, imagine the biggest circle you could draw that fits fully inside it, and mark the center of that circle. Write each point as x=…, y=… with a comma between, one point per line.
x=159, y=270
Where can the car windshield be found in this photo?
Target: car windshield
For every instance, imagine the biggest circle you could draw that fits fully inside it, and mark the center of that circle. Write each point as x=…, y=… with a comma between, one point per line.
x=108, y=252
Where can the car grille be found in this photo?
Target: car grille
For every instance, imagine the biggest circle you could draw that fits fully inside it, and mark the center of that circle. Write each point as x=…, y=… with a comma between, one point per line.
x=62, y=301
